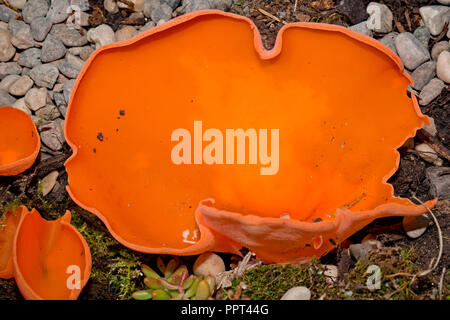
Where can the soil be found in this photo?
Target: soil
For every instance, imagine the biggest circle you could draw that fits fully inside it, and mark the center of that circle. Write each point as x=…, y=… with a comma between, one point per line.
x=408, y=181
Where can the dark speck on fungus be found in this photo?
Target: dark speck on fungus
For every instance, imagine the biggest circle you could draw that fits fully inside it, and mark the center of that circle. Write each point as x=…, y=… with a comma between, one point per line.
x=100, y=136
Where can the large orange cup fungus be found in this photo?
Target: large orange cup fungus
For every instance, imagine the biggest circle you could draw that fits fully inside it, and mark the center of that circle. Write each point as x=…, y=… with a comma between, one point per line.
x=49, y=259
x=157, y=159
x=19, y=141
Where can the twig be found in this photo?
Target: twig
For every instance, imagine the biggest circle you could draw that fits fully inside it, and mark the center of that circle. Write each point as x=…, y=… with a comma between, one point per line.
x=295, y=5
x=268, y=14
x=441, y=283
x=441, y=241
x=399, y=274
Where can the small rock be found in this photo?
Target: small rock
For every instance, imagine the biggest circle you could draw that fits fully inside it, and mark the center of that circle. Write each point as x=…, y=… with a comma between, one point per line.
x=6, y=99
x=18, y=4
x=40, y=27
x=21, y=34
x=439, y=180
x=48, y=113
x=149, y=25
x=52, y=49
x=68, y=69
x=362, y=250
x=36, y=98
x=21, y=86
x=423, y=35
x=7, y=68
x=149, y=6
x=70, y=37
x=163, y=11
x=75, y=61
x=354, y=10
x=172, y=3
x=101, y=35
x=34, y=9
x=67, y=90
x=44, y=75
x=8, y=81
x=438, y=48
x=111, y=6
x=86, y=52
x=430, y=128
x=331, y=273
x=48, y=182
x=7, y=50
x=58, y=11
x=59, y=99
x=435, y=18
x=297, y=293
x=208, y=264
x=52, y=135
x=361, y=28
x=415, y=226
x=431, y=90
x=423, y=74
x=30, y=58
x=443, y=66
x=389, y=40
x=446, y=2
x=20, y=104
x=82, y=4
x=137, y=4
x=7, y=14
x=380, y=19
x=195, y=5
x=411, y=50
x=426, y=152
x=125, y=33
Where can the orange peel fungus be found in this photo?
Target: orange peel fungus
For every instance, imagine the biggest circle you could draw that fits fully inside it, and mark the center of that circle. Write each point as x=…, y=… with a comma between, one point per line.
x=49, y=260
x=321, y=115
x=19, y=141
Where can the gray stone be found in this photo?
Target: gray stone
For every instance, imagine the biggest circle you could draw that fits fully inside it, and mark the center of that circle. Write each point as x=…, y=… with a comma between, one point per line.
x=18, y=4
x=82, y=4
x=70, y=37
x=21, y=34
x=44, y=75
x=6, y=13
x=389, y=40
x=297, y=293
x=69, y=70
x=68, y=86
x=439, y=181
x=149, y=25
x=6, y=99
x=48, y=113
x=426, y=152
x=195, y=5
x=40, y=27
x=7, y=68
x=438, y=48
x=435, y=18
x=163, y=11
x=430, y=128
x=362, y=250
x=423, y=35
x=52, y=49
x=125, y=33
x=380, y=19
x=423, y=74
x=101, y=35
x=34, y=9
x=446, y=2
x=443, y=66
x=86, y=52
x=7, y=50
x=52, y=135
x=36, y=98
x=59, y=99
x=361, y=28
x=58, y=11
x=411, y=50
x=20, y=104
x=21, y=86
x=172, y=3
x=30, y=58
x=8, y=81
x=431, y=90
x=75, y=61
x=354, y=10
x=415, y=226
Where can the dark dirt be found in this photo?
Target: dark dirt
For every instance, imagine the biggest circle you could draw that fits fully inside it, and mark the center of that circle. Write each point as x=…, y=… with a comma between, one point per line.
x=98, y=16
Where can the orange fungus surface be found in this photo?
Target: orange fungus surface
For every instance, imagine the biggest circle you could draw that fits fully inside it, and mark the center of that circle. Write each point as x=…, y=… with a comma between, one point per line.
x=19, y=141
x=49, y=259
x=209, y=142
